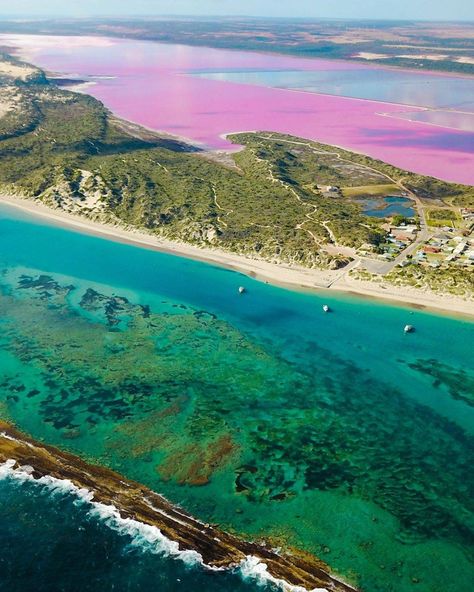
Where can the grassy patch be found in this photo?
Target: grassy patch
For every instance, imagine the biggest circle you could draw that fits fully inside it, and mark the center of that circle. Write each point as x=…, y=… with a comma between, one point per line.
x=443, y=217
x=371, y=190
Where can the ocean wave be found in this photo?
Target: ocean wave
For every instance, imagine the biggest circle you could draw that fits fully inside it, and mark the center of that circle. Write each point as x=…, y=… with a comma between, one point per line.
x=145, y=536
x=252, y=568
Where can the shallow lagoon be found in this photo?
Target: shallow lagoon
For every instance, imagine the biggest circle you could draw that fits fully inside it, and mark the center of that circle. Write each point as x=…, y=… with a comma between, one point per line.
x=337, y=433
x=403, y=87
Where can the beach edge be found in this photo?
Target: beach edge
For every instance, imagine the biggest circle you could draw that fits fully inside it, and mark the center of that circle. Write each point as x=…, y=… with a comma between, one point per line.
x=293, y=278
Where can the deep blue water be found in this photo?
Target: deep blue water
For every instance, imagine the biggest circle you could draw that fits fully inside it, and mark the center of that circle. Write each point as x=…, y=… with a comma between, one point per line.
x=50, y=542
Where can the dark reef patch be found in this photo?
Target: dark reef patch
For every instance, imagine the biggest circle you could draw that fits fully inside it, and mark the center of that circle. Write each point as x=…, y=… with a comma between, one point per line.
x=458, y=382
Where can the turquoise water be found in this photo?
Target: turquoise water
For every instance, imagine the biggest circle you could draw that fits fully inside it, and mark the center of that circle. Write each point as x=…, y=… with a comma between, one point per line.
x=335, y=433
x=388, y=206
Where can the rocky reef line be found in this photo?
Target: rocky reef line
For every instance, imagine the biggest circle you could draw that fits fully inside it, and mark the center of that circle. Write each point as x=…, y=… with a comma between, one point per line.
x=217, y=548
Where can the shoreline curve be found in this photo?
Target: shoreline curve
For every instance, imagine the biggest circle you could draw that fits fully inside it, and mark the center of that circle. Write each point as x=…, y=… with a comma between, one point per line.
x=290, y=277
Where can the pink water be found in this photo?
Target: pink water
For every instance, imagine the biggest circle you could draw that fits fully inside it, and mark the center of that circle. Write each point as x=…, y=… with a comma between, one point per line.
x=151, y=84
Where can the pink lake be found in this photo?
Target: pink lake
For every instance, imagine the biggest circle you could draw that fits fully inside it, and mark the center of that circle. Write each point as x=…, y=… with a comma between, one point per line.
x=155, y=85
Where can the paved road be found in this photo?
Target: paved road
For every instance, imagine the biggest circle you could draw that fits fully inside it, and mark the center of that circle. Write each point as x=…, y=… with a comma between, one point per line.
x=374, y=265
x=422, y=236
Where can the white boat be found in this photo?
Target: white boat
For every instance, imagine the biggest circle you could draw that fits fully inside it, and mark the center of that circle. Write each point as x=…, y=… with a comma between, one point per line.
x=325, y=308
x=409, y=328
x=241, y=290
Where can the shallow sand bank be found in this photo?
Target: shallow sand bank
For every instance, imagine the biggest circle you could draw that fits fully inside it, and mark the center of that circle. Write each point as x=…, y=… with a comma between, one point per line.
x=294, y=277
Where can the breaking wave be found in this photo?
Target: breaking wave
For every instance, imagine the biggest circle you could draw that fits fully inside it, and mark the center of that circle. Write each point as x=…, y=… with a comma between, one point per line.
x=144, y=536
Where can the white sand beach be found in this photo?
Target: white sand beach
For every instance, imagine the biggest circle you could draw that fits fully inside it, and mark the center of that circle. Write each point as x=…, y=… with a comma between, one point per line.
x=293, y=277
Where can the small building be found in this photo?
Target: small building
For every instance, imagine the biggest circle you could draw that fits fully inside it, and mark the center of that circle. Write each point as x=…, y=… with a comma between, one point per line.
x=404, y=231
x=401, y=236
x=467, y=213
x=431, y=249
x=330, y=190
x=460, y=248
x=397, y=243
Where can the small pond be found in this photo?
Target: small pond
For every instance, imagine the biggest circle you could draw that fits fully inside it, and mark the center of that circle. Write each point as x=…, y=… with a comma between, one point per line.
x=384, y=207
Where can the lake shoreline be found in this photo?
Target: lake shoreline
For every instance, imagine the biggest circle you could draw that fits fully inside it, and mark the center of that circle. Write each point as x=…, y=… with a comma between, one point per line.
x=439, y=156
x=289, y=277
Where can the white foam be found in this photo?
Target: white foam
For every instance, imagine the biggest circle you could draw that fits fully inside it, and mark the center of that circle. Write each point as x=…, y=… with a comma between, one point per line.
x=145, y=536
x=252, y=568
x=6, y=469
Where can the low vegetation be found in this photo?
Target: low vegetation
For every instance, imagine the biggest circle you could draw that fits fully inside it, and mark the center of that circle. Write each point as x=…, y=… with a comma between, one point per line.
x=442, y=217
x=372, y=190
x=452, y=280
x=449, y=280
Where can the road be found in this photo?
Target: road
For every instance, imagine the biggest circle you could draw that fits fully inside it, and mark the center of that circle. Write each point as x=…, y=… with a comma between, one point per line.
x=374, y=265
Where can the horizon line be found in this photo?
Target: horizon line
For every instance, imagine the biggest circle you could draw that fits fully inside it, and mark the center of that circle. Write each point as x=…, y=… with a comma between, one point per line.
x=37, y=17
